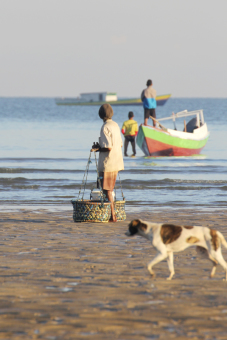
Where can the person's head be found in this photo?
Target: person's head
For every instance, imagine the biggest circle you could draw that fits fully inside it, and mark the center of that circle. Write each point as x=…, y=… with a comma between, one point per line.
x=130, y=115
x=105, y=112
x=149, y=82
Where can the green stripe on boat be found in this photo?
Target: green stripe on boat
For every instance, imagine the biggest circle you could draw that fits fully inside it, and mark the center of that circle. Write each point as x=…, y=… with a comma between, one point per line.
x=166, y=138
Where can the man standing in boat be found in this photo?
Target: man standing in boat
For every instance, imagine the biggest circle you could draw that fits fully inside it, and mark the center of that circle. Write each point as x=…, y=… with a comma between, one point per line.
x=148, y=97
x=110, y=154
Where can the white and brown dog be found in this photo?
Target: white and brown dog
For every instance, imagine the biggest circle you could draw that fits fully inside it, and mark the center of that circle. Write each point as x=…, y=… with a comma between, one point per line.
x=169, y=238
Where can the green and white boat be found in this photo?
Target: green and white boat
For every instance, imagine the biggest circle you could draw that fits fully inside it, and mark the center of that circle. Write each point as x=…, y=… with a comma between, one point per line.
x=159, y=141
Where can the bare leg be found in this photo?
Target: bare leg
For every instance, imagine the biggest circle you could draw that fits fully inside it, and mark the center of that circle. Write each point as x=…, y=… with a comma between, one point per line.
x=170, y=265
x=145, y=121
x=158, y=258
x=154, y=116
x=110, y=198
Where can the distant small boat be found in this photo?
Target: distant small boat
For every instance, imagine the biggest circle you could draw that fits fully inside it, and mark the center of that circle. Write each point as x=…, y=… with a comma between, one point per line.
x=159, y=141
x=99, y=98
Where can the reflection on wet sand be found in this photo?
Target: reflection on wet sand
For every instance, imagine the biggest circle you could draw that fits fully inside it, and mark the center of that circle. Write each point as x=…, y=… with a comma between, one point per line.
x=66, y=280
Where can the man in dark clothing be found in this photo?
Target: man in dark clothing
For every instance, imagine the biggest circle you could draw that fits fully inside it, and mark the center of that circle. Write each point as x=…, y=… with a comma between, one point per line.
x=148, y=97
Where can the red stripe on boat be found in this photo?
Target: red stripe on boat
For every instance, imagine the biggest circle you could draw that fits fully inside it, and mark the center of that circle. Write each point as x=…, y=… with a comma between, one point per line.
x=157, y=148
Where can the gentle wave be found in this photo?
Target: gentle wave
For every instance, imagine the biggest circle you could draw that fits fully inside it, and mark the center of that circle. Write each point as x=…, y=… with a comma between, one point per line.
x=126, y=182
x=170, y=180
x=35, y=170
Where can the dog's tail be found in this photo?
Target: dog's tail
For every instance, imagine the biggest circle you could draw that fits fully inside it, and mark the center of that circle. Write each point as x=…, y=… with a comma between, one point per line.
x=222, y=239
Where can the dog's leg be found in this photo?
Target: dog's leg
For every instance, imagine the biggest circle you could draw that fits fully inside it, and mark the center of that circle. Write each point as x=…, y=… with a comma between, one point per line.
x=214, y=264
x=219, y=258
x=158, y=258
x=206, y=251
x=170, y=265
x=213, y=269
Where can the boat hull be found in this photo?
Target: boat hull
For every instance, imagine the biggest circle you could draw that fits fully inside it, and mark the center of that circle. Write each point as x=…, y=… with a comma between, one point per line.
x=161, y=100
x=156, y=142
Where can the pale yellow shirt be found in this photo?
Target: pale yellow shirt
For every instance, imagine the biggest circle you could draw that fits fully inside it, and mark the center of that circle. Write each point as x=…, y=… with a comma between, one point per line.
x=110, y=137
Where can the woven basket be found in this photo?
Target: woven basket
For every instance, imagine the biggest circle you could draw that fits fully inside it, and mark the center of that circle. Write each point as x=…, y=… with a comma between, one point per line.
x=96, y=211
x=119, y=207
x=91, y=211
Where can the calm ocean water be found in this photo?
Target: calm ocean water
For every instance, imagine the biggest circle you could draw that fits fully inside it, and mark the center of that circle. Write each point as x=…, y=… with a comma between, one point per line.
x=44, y=150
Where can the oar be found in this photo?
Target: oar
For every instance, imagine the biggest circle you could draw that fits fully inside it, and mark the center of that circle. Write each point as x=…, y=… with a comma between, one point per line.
x=155, y=120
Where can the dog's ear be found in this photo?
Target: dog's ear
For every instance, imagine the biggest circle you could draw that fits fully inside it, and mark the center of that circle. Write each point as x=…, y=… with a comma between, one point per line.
x=135, y=223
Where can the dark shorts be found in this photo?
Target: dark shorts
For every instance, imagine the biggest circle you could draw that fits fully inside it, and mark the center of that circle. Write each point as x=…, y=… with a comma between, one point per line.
x=149, y=112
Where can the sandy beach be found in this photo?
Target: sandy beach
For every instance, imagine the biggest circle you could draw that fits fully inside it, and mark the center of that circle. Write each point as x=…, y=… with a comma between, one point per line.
x=66, y=280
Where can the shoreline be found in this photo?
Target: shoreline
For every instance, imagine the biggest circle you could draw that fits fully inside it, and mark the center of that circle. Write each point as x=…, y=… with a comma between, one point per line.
x=65, y=280
x=157, y=214
x=138, y=209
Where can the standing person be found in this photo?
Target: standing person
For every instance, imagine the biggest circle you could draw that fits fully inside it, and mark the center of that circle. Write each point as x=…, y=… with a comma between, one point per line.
x=148, y=97
x=130, y=131
x=110, y=154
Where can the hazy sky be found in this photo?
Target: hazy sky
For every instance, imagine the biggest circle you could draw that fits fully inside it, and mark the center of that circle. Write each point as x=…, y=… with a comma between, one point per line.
x=65, y=47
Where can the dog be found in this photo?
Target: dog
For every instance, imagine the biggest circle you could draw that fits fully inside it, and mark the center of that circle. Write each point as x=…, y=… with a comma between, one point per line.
x=169, y=238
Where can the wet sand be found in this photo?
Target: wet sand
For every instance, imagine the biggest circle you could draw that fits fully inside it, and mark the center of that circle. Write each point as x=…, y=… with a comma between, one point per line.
x=66, y=280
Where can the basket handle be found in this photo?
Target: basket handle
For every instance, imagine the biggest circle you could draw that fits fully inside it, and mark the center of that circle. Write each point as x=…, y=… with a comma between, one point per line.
x=84, y=181
x=103, y=196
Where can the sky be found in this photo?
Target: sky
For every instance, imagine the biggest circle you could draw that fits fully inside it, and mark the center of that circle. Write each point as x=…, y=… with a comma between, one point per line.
x=52, y=48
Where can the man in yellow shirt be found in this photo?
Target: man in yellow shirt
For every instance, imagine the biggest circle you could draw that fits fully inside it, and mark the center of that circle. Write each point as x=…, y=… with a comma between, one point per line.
x=130, y=130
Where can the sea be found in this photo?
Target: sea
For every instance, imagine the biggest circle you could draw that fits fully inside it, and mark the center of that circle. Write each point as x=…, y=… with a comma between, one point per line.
x=45, y=152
